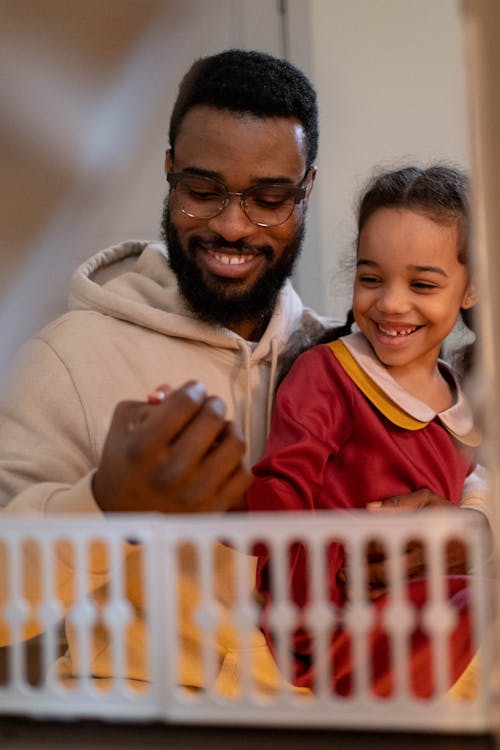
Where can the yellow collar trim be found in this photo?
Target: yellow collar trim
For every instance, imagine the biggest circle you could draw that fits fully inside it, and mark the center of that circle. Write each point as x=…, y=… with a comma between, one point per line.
x=381, y=400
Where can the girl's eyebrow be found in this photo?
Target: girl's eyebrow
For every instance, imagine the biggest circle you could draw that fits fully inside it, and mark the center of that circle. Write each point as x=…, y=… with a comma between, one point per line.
x=414, y=269
x=428, y=269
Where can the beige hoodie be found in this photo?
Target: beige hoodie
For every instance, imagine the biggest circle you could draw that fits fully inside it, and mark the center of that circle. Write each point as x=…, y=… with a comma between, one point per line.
x=128, y=330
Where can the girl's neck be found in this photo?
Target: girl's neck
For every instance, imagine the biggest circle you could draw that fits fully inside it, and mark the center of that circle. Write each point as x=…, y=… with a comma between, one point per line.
x=429, y=386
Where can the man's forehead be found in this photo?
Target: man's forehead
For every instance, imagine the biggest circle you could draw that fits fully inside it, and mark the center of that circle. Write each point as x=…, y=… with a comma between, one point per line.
x=203, y=114
x=217, y=140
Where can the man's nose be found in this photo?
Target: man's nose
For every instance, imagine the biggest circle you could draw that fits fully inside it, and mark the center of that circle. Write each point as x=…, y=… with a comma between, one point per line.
x=232, y=223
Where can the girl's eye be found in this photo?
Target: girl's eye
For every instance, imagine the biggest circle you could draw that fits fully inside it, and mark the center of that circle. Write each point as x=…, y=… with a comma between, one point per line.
x=423, y=285
x=369, y=280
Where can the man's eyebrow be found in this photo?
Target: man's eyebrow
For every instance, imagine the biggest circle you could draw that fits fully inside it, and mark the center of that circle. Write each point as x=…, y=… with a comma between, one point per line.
x=274, y=181
x=256, y=181
x=202, y=173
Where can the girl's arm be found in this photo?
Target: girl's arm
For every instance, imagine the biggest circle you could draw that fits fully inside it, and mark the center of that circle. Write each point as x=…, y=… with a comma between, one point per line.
x=310, y=421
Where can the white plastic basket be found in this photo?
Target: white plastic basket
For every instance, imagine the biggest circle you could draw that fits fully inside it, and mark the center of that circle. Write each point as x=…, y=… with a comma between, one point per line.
x=42, y=556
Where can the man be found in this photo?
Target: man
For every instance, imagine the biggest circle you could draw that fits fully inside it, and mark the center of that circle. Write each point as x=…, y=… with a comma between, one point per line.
x=212, y=305
x=216, y=307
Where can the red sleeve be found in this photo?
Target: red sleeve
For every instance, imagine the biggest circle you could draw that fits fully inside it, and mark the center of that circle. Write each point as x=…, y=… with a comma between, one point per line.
x=310, y=422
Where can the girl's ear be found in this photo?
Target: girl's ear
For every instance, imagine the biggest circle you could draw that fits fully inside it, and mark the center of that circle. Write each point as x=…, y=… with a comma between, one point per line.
x=470, y=297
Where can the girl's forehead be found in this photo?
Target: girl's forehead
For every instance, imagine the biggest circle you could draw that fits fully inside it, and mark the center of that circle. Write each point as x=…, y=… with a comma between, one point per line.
x=400, y=238
x=397, y=234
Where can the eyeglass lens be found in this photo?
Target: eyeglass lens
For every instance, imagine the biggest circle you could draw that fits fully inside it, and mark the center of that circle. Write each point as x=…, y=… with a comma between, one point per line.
x=203, y=198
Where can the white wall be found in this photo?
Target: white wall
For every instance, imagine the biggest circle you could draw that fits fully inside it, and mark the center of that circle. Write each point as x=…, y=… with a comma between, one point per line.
x=391, y=87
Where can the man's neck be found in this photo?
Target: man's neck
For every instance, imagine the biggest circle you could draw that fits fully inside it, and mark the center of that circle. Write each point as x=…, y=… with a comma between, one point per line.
x=250, y=330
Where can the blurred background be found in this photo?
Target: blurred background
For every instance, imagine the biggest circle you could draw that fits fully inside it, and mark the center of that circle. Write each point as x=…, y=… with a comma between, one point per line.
x=86, y=89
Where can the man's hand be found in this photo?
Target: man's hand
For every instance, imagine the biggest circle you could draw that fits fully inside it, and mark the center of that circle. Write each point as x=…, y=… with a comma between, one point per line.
x=177, y=454
x=419, y=500
x=414, y=557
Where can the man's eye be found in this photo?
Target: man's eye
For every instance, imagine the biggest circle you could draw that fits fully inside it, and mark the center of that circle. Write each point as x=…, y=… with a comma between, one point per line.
x=270, y=198
x=268, y=201
x=201, y=194
x=199, y=189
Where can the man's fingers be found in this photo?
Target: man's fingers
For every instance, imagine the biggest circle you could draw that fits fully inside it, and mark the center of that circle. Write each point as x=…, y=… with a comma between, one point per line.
x=375, y=552
x=154, y=425
x=228, y=452
x=203, y=434
x=376, y=574
x=342, y=575
x=231, y=494
x=174, y=453
x=170, y=417
x=415, y=559
x=216, y=463
x=418, y=500
x=392, y=504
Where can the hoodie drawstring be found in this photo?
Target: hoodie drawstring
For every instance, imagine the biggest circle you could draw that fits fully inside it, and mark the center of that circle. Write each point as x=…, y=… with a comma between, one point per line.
x=247, y=417
x=247, y=424
x=272, y=381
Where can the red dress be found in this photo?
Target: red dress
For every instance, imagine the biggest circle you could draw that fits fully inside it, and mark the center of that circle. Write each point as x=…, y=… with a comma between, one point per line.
x=344, y=433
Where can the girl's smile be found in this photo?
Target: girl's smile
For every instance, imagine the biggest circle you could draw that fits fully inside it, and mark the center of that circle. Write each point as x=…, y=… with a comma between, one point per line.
x=395, y=331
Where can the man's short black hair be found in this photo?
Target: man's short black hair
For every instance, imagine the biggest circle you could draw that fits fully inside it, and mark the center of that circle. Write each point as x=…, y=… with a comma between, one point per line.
x=250, y=82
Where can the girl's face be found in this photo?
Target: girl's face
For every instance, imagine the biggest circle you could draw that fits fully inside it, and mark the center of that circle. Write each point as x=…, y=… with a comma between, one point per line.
x=409, y=287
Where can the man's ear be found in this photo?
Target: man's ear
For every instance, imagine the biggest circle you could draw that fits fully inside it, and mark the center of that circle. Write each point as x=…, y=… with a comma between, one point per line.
x=470, y=297
x=310, y=183
x=169, y=161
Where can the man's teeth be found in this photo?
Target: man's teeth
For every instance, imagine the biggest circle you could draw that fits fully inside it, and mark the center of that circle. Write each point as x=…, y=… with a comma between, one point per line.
x=392, y=332
x=233, y=260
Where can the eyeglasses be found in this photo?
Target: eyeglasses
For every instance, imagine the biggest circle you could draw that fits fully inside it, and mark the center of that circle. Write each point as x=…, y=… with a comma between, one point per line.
x=265, y=205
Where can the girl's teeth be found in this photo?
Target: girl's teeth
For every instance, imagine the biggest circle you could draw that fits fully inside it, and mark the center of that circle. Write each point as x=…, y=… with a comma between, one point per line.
x=396, y=333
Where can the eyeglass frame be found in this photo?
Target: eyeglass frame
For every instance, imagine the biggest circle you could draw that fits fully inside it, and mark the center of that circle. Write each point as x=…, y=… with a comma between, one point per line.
x=298, y=192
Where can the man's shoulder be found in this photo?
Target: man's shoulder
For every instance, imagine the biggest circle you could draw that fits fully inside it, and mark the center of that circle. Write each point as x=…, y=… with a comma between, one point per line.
x=310, y=329
x=73, y=328
x=316, y=323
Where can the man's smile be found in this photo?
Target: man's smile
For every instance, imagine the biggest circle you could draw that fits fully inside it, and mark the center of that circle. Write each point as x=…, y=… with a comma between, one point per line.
x=229, y=265
x=228, y=262
x=232, y=260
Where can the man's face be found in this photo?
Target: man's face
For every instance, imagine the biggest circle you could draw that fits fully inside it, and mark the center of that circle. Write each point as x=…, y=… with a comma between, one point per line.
x=229, y=269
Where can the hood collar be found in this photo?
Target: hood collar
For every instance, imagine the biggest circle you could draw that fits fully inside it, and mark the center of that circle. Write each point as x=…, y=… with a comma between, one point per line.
x=134, y=282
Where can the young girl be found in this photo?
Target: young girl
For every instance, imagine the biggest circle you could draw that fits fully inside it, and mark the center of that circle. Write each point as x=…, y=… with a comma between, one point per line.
x=376, y=413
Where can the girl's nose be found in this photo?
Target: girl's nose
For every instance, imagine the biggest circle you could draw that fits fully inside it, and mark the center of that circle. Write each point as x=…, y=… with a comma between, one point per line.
x=393, y=299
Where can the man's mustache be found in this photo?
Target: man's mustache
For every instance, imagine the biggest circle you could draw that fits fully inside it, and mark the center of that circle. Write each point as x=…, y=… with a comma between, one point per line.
x=219, y=243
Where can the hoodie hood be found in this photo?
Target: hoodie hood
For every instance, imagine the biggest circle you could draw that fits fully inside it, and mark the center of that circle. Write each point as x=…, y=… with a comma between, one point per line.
x=134, y=282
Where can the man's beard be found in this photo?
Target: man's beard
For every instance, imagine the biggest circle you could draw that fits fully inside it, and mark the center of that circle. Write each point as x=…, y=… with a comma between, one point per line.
x=219, y=301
